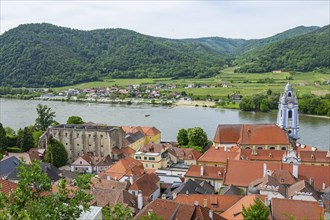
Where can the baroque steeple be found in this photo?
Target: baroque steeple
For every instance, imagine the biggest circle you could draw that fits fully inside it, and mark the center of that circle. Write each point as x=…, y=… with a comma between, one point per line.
x=287, y=116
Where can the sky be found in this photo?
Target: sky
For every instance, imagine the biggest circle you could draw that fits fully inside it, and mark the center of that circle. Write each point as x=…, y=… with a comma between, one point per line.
x=169, y=18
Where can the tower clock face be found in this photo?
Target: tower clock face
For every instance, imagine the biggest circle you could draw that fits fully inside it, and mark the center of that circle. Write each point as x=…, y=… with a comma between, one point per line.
x=290, y=105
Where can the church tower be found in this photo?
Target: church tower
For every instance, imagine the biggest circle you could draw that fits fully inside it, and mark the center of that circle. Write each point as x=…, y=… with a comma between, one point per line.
x=287, y=116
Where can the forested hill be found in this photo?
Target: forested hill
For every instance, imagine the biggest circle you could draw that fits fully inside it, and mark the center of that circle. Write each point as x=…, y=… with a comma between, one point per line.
x=45, y=55
x=301, y=53
x=36, y=55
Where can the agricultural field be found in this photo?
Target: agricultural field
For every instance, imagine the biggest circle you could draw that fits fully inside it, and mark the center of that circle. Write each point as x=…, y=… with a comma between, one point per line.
x=243, y=83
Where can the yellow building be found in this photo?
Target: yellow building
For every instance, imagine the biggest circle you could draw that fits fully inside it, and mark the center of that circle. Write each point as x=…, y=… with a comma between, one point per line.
x=152, y=161
x=137, y=136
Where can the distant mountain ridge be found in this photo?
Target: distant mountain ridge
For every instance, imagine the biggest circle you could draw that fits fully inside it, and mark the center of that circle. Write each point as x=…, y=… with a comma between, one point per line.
x=45, y=55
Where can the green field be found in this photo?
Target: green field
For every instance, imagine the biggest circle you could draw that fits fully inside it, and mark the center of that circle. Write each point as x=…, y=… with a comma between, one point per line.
x=244, y=83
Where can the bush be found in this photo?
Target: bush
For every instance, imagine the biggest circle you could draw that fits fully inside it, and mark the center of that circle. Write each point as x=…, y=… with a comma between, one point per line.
x=14, y=149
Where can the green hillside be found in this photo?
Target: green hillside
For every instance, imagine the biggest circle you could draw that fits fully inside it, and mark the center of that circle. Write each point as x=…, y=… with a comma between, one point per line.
x=302, y=53
x=36, y=55
x=45, y=55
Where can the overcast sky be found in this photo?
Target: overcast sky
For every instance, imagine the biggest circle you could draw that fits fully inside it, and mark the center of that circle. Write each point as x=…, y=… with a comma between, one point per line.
x=171, y=19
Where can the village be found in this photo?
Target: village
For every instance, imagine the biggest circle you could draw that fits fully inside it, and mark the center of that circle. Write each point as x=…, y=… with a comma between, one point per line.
x=131, y=165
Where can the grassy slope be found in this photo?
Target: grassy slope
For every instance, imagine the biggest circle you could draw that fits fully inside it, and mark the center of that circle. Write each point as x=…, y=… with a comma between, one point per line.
x=303, y=83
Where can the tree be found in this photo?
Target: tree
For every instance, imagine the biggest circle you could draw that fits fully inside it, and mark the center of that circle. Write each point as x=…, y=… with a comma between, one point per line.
x=197, y=137
x=33, y=198
x=257, y=211
x=45, y=117
x=25, y=139
x=10, y=131
x=36, y=135
x=3, y=138
x=151, y=216
x=74, y=120
x=182, y=137
x=117, y=212
x=56, y=153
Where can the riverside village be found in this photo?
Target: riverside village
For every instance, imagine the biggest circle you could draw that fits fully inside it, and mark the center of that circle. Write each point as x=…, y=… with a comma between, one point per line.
x=246, y=166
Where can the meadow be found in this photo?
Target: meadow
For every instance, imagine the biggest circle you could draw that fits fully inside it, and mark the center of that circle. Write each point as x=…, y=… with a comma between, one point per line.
x=243, y=83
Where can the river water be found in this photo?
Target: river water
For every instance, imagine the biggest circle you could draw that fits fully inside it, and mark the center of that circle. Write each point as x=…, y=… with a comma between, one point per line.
x=16, y=114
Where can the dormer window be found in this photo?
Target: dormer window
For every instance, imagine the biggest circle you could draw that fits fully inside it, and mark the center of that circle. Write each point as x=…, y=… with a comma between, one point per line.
x=289, y=94
x=312, y=156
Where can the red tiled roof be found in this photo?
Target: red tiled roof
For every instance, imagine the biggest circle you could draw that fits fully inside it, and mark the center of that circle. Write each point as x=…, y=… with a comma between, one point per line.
x=314, y=156
x=127, y=151
x=210, y=172
x=147, y=131
x=220, y=155
x=235, y=212
x=228, y=133
x=218, y=203
x=124, y=167
x=168, y=210
x=7, y=186
x=241, y=172
x=263, y=134
x=284, y=177
x=282, y=208
x=251, y=134
x=146, y=183
x=262, y=155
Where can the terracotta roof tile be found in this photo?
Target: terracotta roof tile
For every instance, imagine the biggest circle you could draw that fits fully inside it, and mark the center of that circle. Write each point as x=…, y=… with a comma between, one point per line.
x=7, y=186
x=168, y=210
x=284, y=177
x=146, y=183
x=314, y=156
x=210, y=172
x=219, y=155
x=282, y=208
x=262, y=155
x=235, y=211
x=228, y=133
x=218, y=203
x=124, y=167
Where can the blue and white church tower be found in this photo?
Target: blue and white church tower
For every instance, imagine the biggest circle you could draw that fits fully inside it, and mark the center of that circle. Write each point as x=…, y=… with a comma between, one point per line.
x=287, y=116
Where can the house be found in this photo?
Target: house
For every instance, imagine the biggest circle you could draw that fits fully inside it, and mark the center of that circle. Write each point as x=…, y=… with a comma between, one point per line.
x=123, y=169
x=239, y=173
x=7, y=187
x=187, y=156
x=148, y=184
x=217, y=203
x=174, y=210
x=252, y=136
x=235, y=96
x=8, y=165
x=188, y=187
x=211, y=174
x=282, y=209
x=235, y=211
x=151, y=134
x=153, y=156
x=135, y=140
x=218, y=156
x=90, y=164
x=230, y=190
x=27, y=157
x=267, y=186
x=302, y=190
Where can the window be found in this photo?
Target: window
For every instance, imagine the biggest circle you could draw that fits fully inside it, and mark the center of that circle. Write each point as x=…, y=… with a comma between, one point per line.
x=146, y=165
x=290, y=114
x=151, y=158
x=272, y=148
x=77, y=135
x=289, y=94
x=138, y=157
x=145, y=158
x=283, y=148
x=260, y=148
x=80, y=162
x=153, y=166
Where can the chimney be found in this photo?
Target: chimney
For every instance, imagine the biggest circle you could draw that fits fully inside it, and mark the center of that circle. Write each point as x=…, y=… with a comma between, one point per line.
x=265, y=169
x=164, y=196
x=211, y=214
x=328, y=154
x=195, y=203
x=204, y=202
x=225, y=148
x=140, y=200
x=323, y=186
x=174, y=195
x=320, y=202
x=202, y=170
x=311, y=181
x=131, y=179
x=295, y=170
x=108, y=178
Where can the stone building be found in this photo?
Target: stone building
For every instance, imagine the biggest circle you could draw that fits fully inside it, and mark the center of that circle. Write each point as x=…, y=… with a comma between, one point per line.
x=98, y=140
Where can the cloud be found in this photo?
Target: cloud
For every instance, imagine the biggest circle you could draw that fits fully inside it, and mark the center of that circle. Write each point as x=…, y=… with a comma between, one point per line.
x=171, y=19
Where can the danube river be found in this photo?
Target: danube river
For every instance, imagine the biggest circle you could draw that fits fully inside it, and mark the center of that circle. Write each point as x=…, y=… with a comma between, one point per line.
x=16, y=114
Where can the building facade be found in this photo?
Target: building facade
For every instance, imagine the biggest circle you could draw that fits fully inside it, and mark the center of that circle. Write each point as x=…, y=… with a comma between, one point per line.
x=83, y=139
